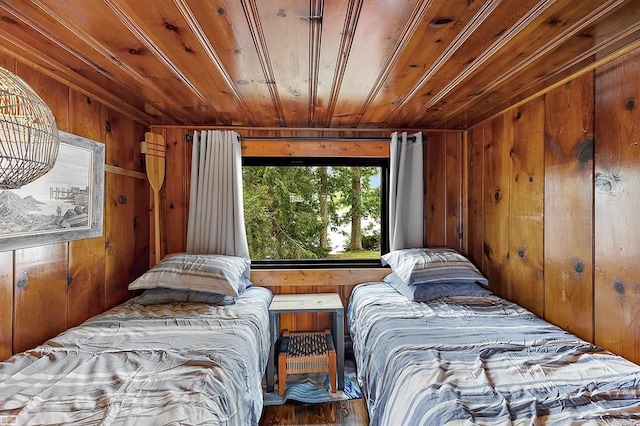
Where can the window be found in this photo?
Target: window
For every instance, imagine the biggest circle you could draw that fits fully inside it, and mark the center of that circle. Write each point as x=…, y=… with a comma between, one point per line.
x=316, y=211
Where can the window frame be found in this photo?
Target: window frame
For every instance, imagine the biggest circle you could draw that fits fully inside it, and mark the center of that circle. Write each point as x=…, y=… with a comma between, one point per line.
x=381, y=162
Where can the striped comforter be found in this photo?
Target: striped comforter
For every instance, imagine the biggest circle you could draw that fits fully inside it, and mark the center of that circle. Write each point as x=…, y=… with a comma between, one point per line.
x=181, y=363
x=481, y=360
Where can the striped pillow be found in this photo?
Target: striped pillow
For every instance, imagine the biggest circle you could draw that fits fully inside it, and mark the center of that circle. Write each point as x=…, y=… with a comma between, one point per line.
x=426, y=292
x=437, y=265
x=161, y=296
x=211, y=273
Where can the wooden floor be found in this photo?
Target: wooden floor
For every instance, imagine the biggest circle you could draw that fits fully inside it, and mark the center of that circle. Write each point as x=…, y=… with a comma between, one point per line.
x=352, y=412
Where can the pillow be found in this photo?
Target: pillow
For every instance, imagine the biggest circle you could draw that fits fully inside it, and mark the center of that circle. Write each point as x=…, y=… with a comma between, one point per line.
x=158, y=296
x=439, y=265
x=430, y=291
x=211, y=273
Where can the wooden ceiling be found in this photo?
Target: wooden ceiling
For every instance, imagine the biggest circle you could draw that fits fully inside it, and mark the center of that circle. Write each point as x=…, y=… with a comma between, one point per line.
x=316, y=63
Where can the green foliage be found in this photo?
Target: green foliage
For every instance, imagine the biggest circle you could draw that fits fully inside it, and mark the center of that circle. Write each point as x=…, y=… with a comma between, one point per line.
x=283, y=214
x=369, y=201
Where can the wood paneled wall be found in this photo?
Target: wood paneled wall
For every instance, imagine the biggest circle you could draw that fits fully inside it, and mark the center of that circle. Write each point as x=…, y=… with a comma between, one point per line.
x=554, y=197
x=45, y=290
x=443, y=202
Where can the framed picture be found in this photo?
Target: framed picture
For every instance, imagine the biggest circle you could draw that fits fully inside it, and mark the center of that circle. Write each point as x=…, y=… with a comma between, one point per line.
x=66, y=204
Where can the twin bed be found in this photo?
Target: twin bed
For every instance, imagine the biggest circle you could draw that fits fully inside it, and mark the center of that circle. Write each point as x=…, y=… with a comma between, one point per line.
x=460, y=355
x=186, y=353
x=176, y=355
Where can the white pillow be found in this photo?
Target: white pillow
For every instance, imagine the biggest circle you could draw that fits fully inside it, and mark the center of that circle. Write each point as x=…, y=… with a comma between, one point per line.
x=211, y=273
x=432, y=265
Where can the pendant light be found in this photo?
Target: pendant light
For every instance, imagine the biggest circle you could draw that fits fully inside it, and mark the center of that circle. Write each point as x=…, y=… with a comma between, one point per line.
x=29, y=137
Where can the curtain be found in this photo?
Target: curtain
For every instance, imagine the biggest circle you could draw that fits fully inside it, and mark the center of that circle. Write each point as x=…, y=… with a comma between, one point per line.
x=406, y=196
x=216, y=210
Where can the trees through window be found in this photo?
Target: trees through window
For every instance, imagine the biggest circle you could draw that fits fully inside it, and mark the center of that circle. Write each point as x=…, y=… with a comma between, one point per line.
x=315, y=209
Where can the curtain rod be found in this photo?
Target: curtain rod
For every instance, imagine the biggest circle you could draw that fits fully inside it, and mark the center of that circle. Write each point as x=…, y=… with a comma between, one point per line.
x=317, y=138
x=303, y=129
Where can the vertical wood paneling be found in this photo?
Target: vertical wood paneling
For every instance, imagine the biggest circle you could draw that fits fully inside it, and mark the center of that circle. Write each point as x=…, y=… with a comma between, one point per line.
x=176, y=197
x=617, y=206
x=122, y=146
x=120, y=204
x=141, y=225
x=475, y=224
x=6, y=304
x=435, y=188
x=453, y=195
x=568, y=206
x=497, y=145
x=86, y=257
x=526, y=207
x=40, y=294
x=590, y=274
x=86, y=279
x=126, y=200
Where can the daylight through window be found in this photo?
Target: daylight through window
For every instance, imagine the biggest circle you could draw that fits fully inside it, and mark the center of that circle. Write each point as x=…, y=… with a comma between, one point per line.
x=315, y=209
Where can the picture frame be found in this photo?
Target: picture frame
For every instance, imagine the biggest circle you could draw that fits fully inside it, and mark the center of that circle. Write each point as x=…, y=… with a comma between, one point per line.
x=66, y=204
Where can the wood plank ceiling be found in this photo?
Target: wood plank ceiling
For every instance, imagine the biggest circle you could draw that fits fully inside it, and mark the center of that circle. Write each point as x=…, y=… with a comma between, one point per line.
x=316, y=63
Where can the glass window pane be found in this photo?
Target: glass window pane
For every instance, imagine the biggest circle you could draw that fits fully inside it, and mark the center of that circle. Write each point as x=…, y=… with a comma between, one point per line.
x=312, y=212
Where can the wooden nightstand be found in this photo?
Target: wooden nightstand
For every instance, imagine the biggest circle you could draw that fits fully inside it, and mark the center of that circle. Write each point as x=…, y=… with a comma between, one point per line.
x=292, y=303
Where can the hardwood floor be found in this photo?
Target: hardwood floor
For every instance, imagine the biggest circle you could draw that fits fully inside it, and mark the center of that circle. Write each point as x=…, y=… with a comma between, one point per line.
x=344, y=413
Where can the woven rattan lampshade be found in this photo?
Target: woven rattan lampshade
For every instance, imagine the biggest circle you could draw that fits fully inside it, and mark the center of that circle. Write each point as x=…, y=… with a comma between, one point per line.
x=29, y=137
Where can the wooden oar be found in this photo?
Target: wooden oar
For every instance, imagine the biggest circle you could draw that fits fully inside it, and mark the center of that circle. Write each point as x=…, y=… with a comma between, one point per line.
x=153, y=147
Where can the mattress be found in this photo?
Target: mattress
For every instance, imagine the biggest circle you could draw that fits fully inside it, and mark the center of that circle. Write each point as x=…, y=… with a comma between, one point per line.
x=179, y=363
x=481, y=360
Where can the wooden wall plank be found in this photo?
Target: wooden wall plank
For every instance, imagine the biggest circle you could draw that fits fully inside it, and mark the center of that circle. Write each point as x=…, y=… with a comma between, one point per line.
x=176, y=195
x=497, y=146
x=120, y=231
x=126, y=201
x=86, y=257
x=122, y=148
x=279, y=148
x=617, y=206
x=40, y=294
x=453, y=188
x=435, y=190
x=568, y=206
x=474, y=228
x=86, y=279
x=291, y=278
x=6, y=304
x=526, y=207
x=142, y=230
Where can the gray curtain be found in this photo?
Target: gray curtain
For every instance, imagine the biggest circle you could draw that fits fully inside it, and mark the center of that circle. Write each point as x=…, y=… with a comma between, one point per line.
x=406, y=193
x=216, y=211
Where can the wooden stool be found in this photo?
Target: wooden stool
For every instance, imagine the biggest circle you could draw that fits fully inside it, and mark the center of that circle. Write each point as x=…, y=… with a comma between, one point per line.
x=303, y=353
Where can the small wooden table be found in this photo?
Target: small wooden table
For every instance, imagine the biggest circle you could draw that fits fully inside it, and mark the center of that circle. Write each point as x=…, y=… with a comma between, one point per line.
x=293, y=303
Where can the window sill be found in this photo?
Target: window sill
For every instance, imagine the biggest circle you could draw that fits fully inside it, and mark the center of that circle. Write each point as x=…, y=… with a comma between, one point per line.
x=315, y=264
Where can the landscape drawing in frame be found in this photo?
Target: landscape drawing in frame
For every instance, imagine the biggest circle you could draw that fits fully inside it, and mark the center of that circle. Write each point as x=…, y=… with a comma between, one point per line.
x=66, y=204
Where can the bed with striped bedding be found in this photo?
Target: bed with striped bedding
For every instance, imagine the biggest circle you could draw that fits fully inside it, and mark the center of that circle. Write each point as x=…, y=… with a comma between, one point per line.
x=481, y=360
x=179, y=363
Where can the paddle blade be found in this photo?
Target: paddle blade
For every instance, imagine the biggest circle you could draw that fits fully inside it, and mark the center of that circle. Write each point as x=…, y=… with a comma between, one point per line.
x=155, y=148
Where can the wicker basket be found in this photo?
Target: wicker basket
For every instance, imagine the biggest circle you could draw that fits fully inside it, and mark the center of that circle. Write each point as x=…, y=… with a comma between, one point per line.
x=305, y=353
